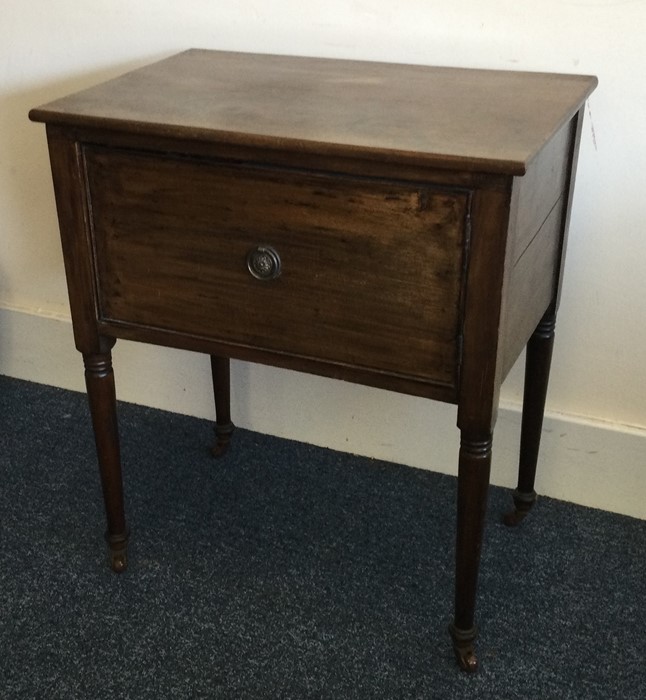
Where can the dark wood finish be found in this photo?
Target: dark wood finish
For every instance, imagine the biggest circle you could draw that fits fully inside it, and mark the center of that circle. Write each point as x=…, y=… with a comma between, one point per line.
x=461, y=119
x=99, y=380
x=473, y=481
x=398, y=226
x=349, y=283
x=221, y=373
x=537, y=373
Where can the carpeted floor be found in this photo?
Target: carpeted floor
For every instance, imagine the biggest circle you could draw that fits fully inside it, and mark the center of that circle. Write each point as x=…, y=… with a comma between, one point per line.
x=289, y=571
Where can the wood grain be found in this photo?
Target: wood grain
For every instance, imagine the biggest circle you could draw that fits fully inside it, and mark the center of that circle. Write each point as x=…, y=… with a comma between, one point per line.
x=474, y=120
x=419, y=215
x=365, y=264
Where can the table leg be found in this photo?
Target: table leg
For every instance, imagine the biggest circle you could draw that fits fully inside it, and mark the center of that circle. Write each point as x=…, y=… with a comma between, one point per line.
x=99, y=379
x=220, y=369
x=473, y=484
x=537, y=372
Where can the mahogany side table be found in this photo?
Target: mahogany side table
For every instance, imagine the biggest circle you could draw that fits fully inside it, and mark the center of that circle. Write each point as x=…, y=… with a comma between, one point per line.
x=394, y=225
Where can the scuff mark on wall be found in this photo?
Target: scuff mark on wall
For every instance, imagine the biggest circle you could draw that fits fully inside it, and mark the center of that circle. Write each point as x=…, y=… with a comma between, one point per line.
x=592, y=132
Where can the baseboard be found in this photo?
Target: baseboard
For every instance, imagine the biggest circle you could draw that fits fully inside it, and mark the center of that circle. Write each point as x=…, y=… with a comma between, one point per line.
x=592, y=463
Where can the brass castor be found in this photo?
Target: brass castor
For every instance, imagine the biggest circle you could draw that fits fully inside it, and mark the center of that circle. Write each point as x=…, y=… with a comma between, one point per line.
x=523, y=503
x=118, y=551
x=119, y=561
x=463, y=646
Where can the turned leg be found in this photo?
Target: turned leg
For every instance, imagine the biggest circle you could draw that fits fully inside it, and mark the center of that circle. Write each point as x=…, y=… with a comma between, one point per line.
x=99, y=380
x=537, y=372
x=220, y=369
x=473, y=484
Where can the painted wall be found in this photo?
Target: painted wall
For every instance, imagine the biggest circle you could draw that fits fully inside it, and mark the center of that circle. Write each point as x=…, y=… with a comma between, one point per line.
x=49, y=49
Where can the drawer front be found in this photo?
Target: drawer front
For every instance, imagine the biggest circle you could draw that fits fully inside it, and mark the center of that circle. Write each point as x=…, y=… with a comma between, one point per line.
x=367, y=273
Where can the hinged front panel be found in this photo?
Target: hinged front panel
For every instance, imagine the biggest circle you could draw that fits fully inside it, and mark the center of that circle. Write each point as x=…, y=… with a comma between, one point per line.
x=359, y=272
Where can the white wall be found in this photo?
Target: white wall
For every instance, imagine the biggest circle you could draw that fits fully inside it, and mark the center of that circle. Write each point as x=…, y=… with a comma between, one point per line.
x=48, y=49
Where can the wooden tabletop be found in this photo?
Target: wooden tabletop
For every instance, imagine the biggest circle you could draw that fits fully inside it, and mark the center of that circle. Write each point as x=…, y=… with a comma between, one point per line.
x=477, y=120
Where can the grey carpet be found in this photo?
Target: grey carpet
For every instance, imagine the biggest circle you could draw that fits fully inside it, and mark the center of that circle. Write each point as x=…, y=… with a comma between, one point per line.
x=289, y=571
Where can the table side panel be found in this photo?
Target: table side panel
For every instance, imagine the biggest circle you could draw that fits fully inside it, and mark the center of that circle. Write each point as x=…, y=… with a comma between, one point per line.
x=537, y=191
x=531, y=287
x=536, y=239
x=371, y=270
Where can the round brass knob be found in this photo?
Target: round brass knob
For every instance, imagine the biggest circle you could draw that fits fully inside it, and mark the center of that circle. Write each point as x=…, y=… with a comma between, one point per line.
x=263, y=262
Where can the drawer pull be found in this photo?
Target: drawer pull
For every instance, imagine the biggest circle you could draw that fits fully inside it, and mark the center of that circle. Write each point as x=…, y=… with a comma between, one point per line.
x=264, y=262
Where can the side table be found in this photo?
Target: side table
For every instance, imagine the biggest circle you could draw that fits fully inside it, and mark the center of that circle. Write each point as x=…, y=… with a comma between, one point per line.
x=397, y=226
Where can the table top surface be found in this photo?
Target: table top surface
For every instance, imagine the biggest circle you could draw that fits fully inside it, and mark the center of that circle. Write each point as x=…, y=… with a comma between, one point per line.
x=476, y=120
